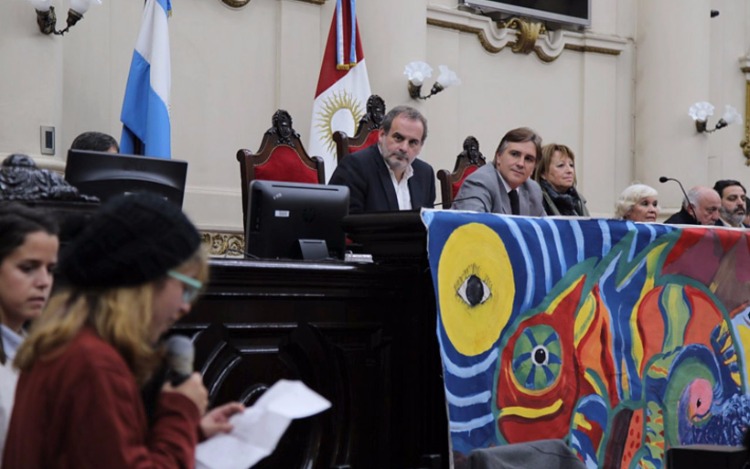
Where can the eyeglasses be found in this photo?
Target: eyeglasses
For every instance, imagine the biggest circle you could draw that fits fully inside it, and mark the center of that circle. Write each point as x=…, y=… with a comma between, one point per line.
x=191, y=287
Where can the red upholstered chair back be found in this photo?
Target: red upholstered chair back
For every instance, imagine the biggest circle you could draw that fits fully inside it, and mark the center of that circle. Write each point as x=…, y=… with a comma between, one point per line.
x=281, y=157
x=467, y=162
x=368, y=129
x=457, y=184
x=353, y=145
x=285, y=163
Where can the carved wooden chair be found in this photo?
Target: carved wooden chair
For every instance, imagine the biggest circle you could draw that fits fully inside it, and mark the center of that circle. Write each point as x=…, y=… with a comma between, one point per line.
x=468, y=161
x=281, y=157
x=368, y=129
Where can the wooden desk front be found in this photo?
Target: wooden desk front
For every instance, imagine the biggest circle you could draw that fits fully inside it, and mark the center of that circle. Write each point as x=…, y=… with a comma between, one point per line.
x=362, y=335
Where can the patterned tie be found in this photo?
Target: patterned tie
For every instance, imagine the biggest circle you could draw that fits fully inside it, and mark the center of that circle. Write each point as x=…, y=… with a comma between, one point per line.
x=513, y=195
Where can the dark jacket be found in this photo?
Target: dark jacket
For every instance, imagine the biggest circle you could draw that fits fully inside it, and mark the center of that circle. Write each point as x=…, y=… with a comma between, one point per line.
x=682, y=218
x=570, y=203
x=370, y=185
x=95, y=416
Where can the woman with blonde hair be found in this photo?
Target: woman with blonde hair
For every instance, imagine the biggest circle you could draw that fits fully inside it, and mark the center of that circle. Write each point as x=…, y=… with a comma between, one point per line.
x=638, y=202
x=556, y=175
x=134, y=271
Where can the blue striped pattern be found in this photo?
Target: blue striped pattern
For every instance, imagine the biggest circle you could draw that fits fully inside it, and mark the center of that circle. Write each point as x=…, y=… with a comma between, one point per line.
x=542, y=251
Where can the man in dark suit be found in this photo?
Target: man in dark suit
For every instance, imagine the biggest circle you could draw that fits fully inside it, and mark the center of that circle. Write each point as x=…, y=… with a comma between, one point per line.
x=387, y=176
x=700, y=208
x=505, y=186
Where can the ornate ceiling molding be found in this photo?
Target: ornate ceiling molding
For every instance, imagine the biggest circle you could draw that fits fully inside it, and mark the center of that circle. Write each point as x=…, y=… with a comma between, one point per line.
x=522, y=36
x=527, y=33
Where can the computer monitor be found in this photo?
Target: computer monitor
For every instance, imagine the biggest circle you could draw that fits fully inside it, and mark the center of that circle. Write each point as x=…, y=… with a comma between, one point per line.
x=290, y=220
x=105, y=175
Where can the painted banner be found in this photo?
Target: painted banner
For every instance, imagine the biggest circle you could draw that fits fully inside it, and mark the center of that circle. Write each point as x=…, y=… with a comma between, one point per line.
x=624, y=339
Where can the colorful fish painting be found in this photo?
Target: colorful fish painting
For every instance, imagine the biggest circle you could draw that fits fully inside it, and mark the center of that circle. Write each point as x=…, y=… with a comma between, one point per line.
x=624, y=339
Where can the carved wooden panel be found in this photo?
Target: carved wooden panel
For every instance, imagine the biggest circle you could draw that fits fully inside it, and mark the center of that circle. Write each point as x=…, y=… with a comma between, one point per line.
x=360, y=335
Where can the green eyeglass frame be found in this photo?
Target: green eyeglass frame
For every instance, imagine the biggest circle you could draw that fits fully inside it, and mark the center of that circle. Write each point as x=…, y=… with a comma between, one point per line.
x=192, y=287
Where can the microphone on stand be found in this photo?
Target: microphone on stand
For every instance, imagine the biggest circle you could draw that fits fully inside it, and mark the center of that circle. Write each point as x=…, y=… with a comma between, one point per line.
x=664, y=179
x=440, y=204
x=179, y=359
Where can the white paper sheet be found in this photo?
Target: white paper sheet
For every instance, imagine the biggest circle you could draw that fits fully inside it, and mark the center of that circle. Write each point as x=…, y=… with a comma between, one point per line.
x=259, y=428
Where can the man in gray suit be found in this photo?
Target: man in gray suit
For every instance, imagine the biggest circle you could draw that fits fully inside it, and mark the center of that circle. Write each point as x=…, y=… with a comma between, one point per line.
x=505, y=186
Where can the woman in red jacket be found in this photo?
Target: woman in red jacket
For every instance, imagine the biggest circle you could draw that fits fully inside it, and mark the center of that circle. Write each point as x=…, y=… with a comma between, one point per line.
x=132, y=273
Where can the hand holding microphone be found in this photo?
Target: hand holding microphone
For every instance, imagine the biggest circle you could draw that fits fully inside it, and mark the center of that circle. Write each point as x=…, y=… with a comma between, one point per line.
x=179, y=359
x=181, y=378
x=180, y=375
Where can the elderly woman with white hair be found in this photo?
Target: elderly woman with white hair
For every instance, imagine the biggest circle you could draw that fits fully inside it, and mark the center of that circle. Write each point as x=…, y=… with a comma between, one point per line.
x=638, y=202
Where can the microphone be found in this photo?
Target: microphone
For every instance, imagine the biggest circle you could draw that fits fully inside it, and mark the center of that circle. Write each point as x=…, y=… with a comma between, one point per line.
x=179, y=359
x=440, y=204
x=664, y=179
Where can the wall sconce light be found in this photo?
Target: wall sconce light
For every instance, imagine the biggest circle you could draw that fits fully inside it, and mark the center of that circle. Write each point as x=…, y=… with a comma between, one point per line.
x=417, y=72
x=47, y=20
x=702, y=110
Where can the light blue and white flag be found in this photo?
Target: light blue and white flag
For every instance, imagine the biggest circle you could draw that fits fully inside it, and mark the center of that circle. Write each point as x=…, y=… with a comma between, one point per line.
x=145, y=110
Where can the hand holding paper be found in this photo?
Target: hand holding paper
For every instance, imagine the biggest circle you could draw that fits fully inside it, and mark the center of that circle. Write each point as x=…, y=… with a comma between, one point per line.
x=259, y=428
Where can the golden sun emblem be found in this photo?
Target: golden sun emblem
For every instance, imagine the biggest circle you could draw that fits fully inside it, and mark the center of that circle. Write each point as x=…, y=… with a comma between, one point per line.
x=343, y=108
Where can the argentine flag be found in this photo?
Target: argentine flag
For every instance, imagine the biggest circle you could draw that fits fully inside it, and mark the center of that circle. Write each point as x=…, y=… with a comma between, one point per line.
x=145, y=110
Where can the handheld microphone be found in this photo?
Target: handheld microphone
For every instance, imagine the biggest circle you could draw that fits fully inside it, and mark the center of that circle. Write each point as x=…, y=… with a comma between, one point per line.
x=179, y=359
x=664, y=179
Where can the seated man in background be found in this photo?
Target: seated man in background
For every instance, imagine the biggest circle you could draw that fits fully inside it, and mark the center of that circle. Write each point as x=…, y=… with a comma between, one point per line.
x=700, y=208
x=733, y=209
x=95, y=141
x=388, y=176
x=505, y=186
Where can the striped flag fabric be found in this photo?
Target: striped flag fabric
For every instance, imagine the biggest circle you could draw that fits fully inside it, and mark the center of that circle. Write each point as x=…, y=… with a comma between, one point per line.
x=343, y=85
x=146, y=129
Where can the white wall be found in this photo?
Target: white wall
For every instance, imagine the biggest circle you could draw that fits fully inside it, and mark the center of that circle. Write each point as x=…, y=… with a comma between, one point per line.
x=624, y=112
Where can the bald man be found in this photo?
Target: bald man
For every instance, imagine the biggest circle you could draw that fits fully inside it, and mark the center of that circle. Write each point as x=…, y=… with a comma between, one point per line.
x=700, y=208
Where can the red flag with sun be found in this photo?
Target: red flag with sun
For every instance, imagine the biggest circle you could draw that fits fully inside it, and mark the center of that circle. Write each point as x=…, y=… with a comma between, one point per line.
x=343, y=86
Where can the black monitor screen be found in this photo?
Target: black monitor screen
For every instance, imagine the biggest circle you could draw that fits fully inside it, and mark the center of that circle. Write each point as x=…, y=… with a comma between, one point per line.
x=575, y=12
x=105, y=175
x=288, y=220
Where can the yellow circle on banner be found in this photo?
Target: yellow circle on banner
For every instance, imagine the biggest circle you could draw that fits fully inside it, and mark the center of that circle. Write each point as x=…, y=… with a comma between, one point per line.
x=475, y=288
